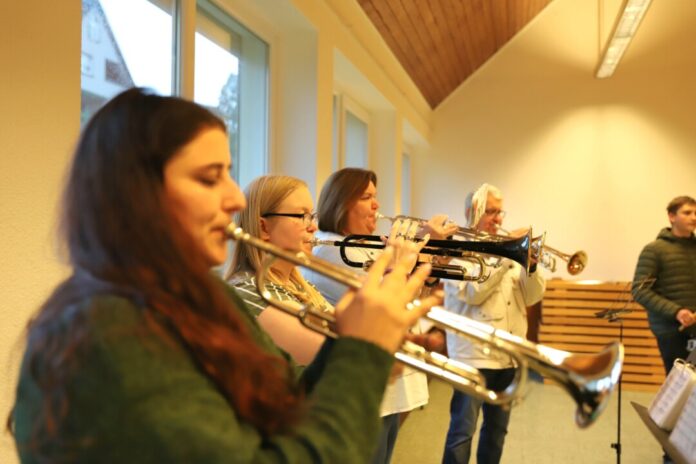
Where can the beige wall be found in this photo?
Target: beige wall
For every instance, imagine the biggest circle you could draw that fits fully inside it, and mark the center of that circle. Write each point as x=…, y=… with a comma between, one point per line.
x=40, y=95
x=593, y=162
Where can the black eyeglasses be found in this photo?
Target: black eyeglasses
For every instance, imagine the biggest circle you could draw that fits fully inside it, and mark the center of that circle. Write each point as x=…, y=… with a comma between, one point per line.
x=307, y=218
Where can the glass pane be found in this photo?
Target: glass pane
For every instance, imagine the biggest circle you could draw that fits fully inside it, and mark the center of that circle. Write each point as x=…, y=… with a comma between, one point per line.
x=231, y=80
x=335, y=161
x=406, y=184
x=125, y=43
x=356, y=142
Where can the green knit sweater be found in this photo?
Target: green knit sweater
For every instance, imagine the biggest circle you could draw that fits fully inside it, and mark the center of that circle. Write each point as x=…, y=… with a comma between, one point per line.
x=671, y=261
x=138, y=398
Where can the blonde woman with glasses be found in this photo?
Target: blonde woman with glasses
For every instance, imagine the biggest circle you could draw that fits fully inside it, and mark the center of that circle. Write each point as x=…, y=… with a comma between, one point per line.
x=280, y=211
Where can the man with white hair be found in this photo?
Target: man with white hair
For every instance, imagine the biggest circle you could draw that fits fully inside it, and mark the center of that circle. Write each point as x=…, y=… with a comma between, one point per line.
x=501, y=301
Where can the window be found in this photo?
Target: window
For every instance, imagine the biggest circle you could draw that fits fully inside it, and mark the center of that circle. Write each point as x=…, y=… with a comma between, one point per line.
x=225, y=49
x=406, y=184
x=351, y=134
x=355, y=150
x=127, y=43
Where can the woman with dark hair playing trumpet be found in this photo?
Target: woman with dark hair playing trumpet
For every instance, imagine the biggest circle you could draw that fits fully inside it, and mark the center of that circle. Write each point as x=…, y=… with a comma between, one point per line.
x=348, y=205
x=143, y=355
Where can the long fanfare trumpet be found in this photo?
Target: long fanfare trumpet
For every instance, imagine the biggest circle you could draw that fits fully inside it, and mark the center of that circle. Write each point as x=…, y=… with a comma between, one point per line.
x=576, y=261
x=548, y=256
x=588, y=378
x=544, y=254
x=515, y=249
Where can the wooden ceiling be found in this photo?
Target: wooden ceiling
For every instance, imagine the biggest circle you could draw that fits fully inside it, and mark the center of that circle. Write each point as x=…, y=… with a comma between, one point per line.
x=442, y=42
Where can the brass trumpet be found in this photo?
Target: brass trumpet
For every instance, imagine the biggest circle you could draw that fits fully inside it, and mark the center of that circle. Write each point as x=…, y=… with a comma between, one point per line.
x=547, y=256
x=576, y=262
x=589, y=379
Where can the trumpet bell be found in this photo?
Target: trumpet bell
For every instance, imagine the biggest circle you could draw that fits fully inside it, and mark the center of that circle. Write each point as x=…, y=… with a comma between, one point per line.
x=588, y=378
x=577, y=263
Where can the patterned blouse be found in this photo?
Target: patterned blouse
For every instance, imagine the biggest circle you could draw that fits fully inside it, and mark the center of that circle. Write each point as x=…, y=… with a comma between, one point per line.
x=245, y=285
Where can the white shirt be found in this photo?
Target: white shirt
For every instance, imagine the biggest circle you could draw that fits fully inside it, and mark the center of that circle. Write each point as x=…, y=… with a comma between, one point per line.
x=410, y=389
x=501, y=301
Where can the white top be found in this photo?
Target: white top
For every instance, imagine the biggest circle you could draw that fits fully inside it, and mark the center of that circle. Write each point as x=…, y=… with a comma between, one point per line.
x=501, y=301
x=410, y=389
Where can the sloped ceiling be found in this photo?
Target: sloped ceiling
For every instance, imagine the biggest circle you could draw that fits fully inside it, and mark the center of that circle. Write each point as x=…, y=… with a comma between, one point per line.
x=442, y=42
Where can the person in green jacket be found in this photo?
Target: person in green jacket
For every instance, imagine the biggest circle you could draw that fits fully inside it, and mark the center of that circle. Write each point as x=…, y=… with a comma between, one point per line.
x=143, y=355
x=665, y=281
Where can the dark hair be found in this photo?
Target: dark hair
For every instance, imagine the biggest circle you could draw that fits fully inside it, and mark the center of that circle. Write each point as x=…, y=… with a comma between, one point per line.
x=122, y=239
x=678, y=202
x=340, y=192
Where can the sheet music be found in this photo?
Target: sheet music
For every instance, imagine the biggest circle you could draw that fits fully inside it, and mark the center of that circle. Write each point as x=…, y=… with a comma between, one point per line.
x=669, y=401
x=683, y=437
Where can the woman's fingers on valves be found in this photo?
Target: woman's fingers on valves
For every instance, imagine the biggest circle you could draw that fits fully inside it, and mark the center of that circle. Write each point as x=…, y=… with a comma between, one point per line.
x=405, y=256
x=396, y=232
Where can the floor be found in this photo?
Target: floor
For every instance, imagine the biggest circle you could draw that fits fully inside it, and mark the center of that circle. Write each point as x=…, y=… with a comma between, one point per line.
x=542, y=430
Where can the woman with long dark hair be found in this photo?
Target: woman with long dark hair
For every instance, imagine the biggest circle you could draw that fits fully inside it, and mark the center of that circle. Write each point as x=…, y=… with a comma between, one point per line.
x=348, y=205
x=143, y=355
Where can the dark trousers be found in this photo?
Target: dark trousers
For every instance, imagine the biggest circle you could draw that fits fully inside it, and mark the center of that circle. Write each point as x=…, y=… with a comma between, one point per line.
x=387, y=439
x=672, y=345
x=464, y=411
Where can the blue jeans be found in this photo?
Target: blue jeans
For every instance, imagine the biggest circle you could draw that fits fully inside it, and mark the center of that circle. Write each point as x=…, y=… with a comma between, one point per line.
x=387, y=439
x=464, y=411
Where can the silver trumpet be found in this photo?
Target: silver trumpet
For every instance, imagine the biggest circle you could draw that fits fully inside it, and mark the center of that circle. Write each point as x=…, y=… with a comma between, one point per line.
x=588, y=378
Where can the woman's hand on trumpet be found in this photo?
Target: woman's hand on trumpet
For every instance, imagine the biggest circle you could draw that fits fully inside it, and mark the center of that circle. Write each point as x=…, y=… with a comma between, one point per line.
x=379, y=312
x=403, y=232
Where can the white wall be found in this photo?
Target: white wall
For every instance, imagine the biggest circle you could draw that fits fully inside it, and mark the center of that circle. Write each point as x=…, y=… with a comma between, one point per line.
x=593, y=162
x=39, y=121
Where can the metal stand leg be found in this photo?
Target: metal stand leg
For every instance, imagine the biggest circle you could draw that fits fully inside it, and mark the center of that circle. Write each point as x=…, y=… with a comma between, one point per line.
x=617, y=444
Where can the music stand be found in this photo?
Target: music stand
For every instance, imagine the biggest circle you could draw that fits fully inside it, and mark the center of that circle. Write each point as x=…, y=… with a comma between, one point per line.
x=614, y=316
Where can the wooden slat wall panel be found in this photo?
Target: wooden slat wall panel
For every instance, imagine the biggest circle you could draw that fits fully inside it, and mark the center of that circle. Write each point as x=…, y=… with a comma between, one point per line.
x=569, y=323
x=442, y=42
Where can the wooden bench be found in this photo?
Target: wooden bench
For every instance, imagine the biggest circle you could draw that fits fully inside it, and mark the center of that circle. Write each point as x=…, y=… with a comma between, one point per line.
x=569, y=323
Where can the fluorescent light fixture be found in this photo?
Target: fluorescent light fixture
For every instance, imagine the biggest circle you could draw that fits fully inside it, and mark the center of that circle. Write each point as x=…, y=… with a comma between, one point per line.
x=625, y=29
